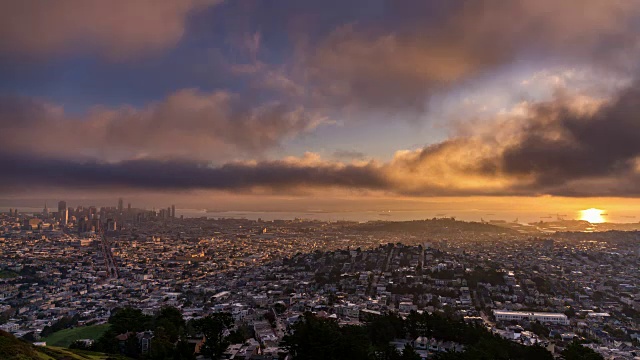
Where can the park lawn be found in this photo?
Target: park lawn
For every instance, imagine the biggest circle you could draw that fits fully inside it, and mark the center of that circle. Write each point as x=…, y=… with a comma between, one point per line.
x=6, y=274
x=64, y=338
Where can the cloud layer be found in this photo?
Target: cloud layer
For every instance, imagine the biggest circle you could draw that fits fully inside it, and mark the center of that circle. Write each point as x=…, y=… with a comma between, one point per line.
x=399, y=65
x=187, y=124
x=569, y=146
x=285, y=77
x=120, y=29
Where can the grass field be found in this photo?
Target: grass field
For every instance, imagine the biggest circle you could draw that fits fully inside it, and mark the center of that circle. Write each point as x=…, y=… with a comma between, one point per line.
x=6, y=274
x=16, y=349
x=64, y=338
x=52, y=352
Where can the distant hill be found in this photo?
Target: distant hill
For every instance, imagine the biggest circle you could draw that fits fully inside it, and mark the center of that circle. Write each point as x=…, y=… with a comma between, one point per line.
x=12, y=348
x=435, y=226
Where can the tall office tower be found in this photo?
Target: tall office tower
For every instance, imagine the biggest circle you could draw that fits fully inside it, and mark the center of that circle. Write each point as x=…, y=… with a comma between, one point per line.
x=169, y=212
x=111, y=225
x=64, y=216
x=62, y=208
x=95, y=225
x=82, y=225
x=10, y=212
x=45, y=211
x=120, y=205
x=129, y=207
x=173, y=211
x=15, y=212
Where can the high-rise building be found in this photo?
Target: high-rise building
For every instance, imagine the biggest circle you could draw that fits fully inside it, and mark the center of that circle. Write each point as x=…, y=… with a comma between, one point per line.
x=10, y=212
x=168, y=212
x=120, y=205
x=92, y=213
x=62, y=205
x=64, y=216
x=45, y=211
x=111, y=225
x=173, y=211
x=62, y=210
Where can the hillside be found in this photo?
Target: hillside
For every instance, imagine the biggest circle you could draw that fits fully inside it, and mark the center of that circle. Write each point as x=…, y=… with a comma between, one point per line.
x=12, y=348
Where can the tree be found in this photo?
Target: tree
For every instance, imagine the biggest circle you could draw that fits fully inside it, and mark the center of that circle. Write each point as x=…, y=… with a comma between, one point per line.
x=168, y=328
x=316, y=338
x=213, y=327
x=184, y=351
x=575, y=351
x=171, y=321
x=132, y=346
x=242, y=333
x=129, y=319
x=408, y=353
x=270, y=318
x=279, y=308
x=539, y=329
x=570, y=312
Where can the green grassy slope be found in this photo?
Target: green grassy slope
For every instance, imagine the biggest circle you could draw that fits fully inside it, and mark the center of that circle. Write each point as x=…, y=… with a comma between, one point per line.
x=12, y=348
x=66, y=337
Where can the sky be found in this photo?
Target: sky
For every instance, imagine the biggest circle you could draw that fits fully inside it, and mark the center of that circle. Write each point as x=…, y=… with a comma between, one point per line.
x=337, y=104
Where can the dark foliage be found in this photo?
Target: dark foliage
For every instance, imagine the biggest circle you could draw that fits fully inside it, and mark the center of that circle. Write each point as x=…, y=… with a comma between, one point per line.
x=316, y=338
x=213, y=327
x=170, y=334
x=575, y=351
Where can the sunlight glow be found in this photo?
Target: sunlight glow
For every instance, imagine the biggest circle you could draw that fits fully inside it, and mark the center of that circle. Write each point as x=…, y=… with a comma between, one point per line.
x=594, y=216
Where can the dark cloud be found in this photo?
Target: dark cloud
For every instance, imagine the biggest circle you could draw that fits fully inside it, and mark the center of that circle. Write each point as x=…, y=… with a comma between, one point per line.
x=559, y=144
x=26, y=171
x=398, y=62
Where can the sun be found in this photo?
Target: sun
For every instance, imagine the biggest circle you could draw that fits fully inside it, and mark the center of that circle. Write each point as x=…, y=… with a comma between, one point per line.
x=592, y=215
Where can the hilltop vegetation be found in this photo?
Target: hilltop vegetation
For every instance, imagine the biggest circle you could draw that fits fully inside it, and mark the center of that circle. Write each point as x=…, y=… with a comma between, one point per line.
x=12, y=348
x=319, y=338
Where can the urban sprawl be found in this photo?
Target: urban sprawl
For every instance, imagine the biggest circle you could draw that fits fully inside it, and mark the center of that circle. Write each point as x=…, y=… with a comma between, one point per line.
x=535, y=289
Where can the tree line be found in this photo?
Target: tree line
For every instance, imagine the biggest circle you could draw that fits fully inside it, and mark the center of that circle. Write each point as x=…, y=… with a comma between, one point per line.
x=322, y=338
x=170, y=334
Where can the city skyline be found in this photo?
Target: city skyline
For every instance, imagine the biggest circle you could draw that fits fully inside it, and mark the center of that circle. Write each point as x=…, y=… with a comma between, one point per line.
x=234, y=104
